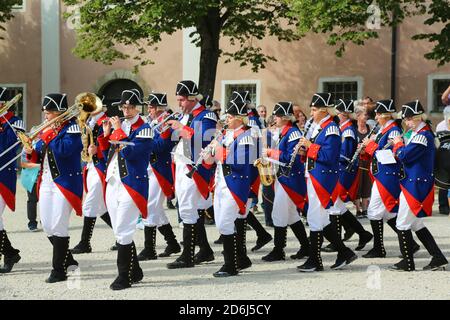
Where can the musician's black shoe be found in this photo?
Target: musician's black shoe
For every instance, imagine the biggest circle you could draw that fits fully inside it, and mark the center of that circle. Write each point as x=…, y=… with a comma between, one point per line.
x=344, y=258
x=301, y=254
x=364, y=239
x=243, y=263
x=203, y=256
x=147, y=254
x=114, y=247
x=179, y=263
x=328, y=248
x=262, y=241
x=437, y=263
x=310, y=266
x=171, y=248
x=402, y=265
x=10, y=262
x=275, y=255
x=82, y=247
x=56, y=276
x=225, y=272
x=219, y=240
x=375, y=253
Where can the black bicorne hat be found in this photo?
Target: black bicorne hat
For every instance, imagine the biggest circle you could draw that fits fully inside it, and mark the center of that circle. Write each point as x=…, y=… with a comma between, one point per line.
x=243, y=96
x=55, y=102
x=206, y=101
x=4, y=94
x=345, y=106
x=413, y=108
x=283, y=109
x=187, y=88
x=157, y=99
x=385, y=106
x=237, y=108
x=321, y=100
x=130, y=96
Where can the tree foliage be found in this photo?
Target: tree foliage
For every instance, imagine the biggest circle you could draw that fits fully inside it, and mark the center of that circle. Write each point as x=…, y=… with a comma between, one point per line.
x=356, y=21
x=109, y=26
x=6, y=14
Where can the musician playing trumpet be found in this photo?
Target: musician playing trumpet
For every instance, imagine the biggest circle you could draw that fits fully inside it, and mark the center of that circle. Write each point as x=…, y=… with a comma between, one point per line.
x=60, y=183
x=234, y=154
x=9, y=124
x=195, y=131
x=290, y=187
x=94, y=174
x=127, y=182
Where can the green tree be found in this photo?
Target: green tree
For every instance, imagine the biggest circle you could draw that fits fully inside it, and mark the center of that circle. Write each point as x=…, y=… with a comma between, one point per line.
x=356, y=21
x=107, y=25
x=6, y=12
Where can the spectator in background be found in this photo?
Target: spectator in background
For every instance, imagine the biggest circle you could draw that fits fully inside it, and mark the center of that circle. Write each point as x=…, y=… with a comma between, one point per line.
x=300, y=117
x=28, y=179
x=262, y=111
x=368, y=104
x=365, y=185
x=444, y=125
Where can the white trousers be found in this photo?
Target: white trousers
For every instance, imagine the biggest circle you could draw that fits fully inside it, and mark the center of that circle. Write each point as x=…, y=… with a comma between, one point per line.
x=318, y=217
x=155, y=205
x=2, y=208
x=406, y=220
x=205, y=203
x=122, y=210
x=94, y=204
x=54, y=209
x=188, y=195
x=377, y=210
x=339, y=207
x=284, y=212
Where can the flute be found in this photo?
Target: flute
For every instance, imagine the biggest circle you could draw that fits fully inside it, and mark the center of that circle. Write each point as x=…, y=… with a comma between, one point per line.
x=296, y=150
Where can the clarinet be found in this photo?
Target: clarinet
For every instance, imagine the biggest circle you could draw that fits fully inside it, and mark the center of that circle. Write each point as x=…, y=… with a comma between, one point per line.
x=206, y=151
x=359, y=150
x=296, y=150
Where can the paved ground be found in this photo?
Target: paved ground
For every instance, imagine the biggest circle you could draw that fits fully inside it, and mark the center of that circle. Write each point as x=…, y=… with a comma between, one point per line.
x=364, y=279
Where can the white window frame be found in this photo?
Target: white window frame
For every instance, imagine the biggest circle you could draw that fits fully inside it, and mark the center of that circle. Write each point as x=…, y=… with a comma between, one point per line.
x=430, y=91
x=24, y=97
x=359, y=80
x=20, y=8
x=239, y=82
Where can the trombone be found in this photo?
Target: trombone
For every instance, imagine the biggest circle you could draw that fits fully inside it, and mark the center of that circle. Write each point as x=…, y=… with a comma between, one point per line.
x=27, y=138
x=10, y=103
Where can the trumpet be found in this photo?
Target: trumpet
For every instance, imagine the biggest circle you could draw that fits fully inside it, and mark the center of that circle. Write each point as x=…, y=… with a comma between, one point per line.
x=161, y=124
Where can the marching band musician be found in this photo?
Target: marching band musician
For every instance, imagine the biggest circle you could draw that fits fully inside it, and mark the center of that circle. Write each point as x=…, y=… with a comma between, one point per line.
x=60, y=183
x=232, y=185
x=289, y=188
x=383, y=203
x=263, y=237
x=160, y=183
x=417, y=189
x=348, y=179
x=195, y=131
x=9, y=124
x=322, y=177
x=94, y=174
x=127, y=182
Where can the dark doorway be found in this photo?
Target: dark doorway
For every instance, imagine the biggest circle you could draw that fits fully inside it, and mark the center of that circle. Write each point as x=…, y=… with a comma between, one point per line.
x=112, y=92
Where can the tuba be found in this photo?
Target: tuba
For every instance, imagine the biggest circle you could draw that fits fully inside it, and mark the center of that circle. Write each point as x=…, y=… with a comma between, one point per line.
x=88, y=103
x=265, y=171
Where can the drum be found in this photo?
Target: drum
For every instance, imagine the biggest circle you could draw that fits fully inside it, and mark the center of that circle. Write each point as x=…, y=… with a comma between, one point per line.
x=442, y=165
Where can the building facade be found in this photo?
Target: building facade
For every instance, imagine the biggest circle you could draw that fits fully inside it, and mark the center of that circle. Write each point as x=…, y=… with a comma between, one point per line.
x=36, y=59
